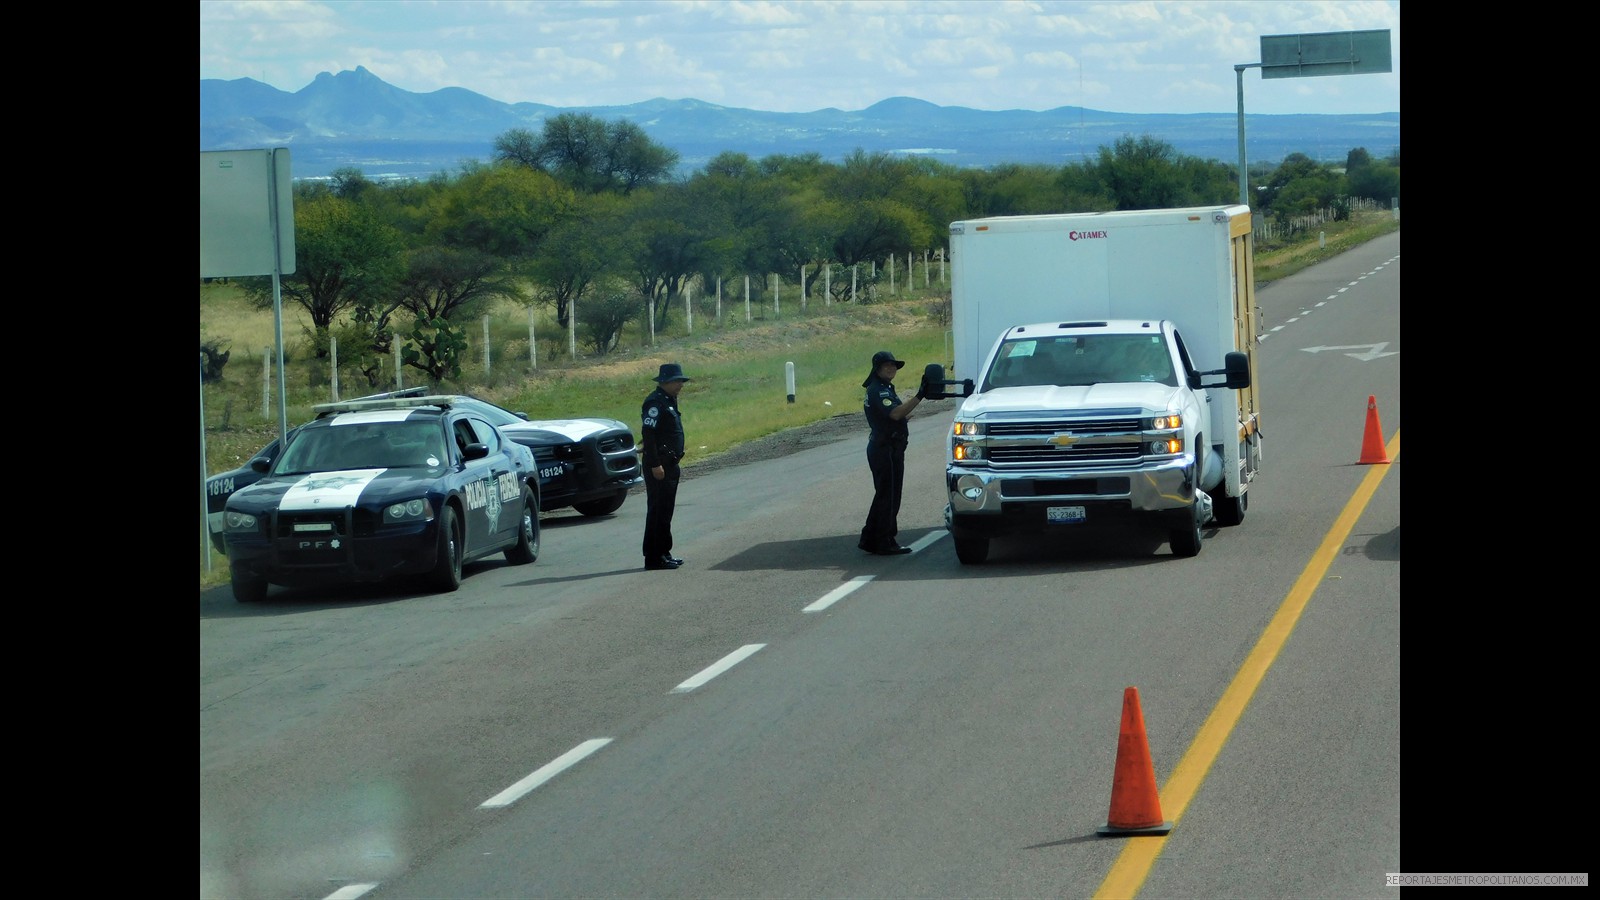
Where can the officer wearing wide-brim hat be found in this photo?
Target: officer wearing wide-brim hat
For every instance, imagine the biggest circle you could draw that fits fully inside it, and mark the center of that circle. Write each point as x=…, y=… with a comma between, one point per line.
x=661, y=444
x=886, y=453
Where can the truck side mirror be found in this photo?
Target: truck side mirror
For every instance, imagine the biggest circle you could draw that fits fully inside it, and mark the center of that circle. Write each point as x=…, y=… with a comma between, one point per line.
x=934, y=384
x=1237, y=367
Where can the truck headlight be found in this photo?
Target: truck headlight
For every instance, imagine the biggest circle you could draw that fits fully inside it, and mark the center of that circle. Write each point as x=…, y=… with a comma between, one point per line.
x=1171, y=445
x=1164, y=422
x=238, y=521
x=966, y=441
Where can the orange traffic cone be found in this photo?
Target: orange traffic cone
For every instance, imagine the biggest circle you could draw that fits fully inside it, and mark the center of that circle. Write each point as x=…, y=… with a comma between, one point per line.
x=1372, y=442
x=1135, y=806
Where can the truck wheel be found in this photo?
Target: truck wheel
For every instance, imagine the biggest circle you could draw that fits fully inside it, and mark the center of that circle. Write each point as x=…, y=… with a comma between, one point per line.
x=972, y=551
x=1185, y=538
x=602, y=507
x=247, y=588
x=526, y=549
x=1229, y=510
x=446, y=575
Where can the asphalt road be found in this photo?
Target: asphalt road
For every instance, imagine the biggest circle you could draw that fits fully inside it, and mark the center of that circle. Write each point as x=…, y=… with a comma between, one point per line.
x=788, y=717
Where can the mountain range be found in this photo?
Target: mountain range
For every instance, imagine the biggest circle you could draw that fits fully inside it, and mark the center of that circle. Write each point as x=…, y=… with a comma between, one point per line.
x=354, y=119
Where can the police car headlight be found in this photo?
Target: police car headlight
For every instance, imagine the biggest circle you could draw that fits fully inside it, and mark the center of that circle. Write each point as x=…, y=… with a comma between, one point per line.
x=407, y=511
x=238, y=521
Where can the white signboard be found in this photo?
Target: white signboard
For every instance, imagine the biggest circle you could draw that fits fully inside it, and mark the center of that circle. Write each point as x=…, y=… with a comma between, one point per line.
x=246, y=213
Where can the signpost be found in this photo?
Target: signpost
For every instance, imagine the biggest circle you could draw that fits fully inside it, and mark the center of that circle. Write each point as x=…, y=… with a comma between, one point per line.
x=246, y=228
x=1307, y=55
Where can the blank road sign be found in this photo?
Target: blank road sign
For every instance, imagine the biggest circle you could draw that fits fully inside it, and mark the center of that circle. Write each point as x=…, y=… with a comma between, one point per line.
x=236, y=213
x=1325, y=53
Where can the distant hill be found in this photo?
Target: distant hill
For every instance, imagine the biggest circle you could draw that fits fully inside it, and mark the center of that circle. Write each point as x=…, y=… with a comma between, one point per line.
x=356, y=119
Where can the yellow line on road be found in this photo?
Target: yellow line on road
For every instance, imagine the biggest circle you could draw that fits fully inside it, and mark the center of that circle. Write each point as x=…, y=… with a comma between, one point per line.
x=1133, y=865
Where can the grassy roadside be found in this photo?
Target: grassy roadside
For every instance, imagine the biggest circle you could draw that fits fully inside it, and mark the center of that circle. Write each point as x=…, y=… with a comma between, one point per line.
x=1285, y=258
x=739, y=391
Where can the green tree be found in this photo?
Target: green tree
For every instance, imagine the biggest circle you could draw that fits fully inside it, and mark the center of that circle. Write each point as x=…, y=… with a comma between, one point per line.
x=443, y=287
x=1295, y=167
x=605, y=313
x=581, y=248
x=665, y=242
x=1141, y=173
x=345, y=259
x=589, y=153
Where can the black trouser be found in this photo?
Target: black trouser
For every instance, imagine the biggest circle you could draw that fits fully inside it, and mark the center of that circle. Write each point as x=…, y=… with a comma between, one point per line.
x=660, y=497
x=888, y=465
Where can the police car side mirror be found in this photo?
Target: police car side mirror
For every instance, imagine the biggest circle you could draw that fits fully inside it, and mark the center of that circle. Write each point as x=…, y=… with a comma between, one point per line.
x=475, y=451
x=260, y=464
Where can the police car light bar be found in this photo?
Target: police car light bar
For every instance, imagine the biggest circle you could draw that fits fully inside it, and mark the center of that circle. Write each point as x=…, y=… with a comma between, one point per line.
x=323, y=409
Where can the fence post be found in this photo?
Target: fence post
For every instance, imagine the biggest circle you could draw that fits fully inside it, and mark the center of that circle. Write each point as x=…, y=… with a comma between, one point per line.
x=266, y=382
x=486, y=345
x=333, y=354
x=747, y=298
x=533, y=345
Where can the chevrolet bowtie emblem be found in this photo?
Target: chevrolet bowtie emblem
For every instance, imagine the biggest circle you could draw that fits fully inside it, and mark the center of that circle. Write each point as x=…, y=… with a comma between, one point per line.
x=1063, y=440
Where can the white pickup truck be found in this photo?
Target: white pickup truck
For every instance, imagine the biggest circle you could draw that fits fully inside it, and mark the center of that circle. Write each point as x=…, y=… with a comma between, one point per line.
x=1117, y=380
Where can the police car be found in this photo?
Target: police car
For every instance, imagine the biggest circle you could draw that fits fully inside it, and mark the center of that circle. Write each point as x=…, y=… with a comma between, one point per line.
x=589, y=464
x=383, y=488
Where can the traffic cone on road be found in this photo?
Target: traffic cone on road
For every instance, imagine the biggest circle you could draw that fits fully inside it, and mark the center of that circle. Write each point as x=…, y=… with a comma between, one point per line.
x=1135, y=805
x=1372, y=442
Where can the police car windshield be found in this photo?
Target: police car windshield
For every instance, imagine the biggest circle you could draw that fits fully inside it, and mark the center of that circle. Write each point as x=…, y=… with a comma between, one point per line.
x=365, y=445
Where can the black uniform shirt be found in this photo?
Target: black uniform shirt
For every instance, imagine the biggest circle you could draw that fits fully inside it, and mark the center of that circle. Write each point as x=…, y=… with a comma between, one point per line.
x=663, y=429
x=880, y=401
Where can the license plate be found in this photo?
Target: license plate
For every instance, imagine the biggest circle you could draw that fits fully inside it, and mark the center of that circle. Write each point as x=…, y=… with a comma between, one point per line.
x=1065, y=514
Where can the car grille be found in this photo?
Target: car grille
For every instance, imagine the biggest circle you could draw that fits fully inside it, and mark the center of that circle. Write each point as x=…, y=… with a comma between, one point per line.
x=1109, y=440
x=342, y=523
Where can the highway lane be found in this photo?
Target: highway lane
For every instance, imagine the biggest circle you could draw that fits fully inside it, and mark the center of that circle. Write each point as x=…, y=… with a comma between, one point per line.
x=939, y=731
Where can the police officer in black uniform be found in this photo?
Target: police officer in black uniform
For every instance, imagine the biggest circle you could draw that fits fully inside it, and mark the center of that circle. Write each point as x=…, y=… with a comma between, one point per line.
x=886, y=454
x=662, y=446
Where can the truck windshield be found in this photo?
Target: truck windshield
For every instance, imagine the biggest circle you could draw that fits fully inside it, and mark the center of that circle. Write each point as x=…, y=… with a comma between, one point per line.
x=1077, y=360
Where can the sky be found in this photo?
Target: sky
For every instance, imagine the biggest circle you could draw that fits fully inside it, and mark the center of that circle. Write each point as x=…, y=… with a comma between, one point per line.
x=1129, y=56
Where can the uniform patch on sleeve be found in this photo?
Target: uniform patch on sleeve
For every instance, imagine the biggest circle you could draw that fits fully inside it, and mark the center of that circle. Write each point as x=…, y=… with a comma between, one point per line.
x=888, y=402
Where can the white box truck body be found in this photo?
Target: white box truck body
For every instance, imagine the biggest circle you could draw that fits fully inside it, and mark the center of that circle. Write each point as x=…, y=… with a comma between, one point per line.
x=1089, y=346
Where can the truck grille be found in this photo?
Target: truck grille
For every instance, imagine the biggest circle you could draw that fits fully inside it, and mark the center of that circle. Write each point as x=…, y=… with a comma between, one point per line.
x=1115, y=440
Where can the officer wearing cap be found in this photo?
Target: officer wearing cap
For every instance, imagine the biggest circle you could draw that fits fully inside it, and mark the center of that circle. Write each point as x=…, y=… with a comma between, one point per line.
x=662, y=446
x=886, y=454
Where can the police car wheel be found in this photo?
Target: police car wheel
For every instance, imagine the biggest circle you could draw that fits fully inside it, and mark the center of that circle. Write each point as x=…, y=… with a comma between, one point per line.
x=447, y=563
x=526, y=549
x=248, y=588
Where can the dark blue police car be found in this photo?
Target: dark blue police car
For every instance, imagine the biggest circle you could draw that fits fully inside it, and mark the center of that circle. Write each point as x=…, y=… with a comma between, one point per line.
x=589, y=464
x=383, y=488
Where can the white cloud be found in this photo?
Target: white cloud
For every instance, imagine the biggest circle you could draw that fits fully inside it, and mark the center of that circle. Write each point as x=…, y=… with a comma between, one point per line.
x=1138, y=56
